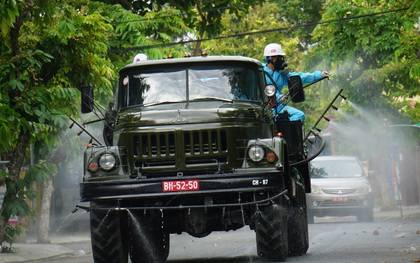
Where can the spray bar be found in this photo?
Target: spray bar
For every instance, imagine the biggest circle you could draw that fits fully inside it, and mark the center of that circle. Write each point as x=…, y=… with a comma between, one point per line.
x=84, y=130
x=322, y=116
x=269, y=199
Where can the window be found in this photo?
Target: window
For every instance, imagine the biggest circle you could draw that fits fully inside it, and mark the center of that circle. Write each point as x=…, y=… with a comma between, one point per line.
x=188, y=84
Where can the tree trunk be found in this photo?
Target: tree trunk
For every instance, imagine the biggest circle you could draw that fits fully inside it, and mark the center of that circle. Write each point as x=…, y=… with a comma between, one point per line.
x=14, y=166
x=44, y=218
x=203, y=23
x=17, y=154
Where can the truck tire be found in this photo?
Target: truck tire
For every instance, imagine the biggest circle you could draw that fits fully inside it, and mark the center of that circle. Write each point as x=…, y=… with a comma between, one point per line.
x=108, y=245
x=146, y=245
x=298, y=239
x=271, y=233
x=297, y=223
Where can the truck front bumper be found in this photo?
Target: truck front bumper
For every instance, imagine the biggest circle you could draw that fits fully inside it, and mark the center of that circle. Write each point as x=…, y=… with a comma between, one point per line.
x=151, y=191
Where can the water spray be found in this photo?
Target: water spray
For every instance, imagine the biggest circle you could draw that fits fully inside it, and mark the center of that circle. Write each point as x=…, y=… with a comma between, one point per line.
x=314, y=128
x=316, y=131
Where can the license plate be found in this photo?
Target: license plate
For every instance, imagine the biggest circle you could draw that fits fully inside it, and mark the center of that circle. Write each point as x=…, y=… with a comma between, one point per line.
x=181, y=185
x=339, y=199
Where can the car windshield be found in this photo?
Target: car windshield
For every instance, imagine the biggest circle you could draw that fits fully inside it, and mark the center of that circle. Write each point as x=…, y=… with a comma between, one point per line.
x=335, y=168
x=189, y=84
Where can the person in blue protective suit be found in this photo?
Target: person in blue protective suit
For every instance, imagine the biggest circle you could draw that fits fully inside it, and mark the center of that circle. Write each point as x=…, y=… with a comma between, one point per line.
x=275, y=66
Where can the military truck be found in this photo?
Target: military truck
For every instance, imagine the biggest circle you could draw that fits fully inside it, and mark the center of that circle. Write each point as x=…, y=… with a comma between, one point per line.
x=190, y=146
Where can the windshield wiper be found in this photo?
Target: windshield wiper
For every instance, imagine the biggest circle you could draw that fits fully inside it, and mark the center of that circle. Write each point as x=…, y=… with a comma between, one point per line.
x=212, y=98
x=162, y=102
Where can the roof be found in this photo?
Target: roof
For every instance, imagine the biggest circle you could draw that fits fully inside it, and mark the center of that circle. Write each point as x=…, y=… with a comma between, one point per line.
x=201, y=59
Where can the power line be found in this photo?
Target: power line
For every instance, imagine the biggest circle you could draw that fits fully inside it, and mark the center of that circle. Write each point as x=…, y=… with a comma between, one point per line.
x=313, y=24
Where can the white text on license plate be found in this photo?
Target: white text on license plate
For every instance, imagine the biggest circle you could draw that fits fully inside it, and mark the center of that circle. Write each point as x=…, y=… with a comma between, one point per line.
x=340, y=199
x=181, y=185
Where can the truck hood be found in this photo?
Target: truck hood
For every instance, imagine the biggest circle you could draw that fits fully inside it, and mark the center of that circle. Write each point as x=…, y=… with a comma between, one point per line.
x=189, y=113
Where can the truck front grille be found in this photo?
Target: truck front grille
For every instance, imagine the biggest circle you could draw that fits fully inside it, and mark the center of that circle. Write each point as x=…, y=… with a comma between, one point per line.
x=154, y=145
x=180, y=150
x=205, y=142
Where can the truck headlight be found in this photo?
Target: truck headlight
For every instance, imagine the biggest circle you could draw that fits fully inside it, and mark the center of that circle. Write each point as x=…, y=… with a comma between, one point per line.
x=256, y=153
x=107, y=161
x=270, y=90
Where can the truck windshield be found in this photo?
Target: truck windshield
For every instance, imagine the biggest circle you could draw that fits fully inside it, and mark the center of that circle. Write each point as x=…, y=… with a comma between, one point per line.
x=226, y=84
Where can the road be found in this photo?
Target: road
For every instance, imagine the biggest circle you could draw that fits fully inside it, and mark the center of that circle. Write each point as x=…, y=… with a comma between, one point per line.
x=332, y=240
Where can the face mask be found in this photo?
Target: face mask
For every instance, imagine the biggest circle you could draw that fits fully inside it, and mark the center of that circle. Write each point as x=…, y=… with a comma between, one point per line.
x=280, y=63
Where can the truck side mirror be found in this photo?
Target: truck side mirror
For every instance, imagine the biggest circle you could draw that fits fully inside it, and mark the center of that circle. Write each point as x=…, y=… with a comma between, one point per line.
x=87, y=99
x=296, y=92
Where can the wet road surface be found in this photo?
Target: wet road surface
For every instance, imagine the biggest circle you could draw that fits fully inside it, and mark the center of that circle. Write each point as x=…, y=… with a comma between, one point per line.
x=331, y=240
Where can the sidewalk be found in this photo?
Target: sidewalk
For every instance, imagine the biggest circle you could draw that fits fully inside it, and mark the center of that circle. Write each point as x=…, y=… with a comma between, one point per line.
x=31, y=251
x=406, y=213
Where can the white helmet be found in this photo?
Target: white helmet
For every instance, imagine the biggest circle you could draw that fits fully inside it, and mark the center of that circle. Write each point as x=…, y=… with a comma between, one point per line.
x=273, y=49
x=139, y=58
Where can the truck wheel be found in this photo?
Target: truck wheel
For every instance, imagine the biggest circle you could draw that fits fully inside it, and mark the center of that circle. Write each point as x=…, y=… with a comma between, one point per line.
x=297, y=223
x=147, y=245
x=108, y=245
x=271, y=233
x=297, y=231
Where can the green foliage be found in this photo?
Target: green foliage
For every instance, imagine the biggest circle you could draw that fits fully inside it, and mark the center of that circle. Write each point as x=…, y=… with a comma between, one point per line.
x=61, y=47
x=40, y=172
x=8, y=13
x=258, y=18
x=23, y=190
x=194, y=19
x=138, y=30
x=11, y=233
x=301, y=15
x=372, y=49
x=55, y=53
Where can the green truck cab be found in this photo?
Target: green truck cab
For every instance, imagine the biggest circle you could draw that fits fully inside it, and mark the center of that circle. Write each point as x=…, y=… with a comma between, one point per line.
x=190, y=146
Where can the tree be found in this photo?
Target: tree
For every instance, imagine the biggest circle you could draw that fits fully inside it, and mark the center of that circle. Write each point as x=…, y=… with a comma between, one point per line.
x=49, y=50
x=36, y=87
x=372, y=49
x=135, y=32
x=244, y=38
x=201, y=19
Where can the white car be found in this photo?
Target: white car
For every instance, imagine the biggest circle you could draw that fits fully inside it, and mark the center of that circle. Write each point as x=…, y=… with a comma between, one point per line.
x=339, y=187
